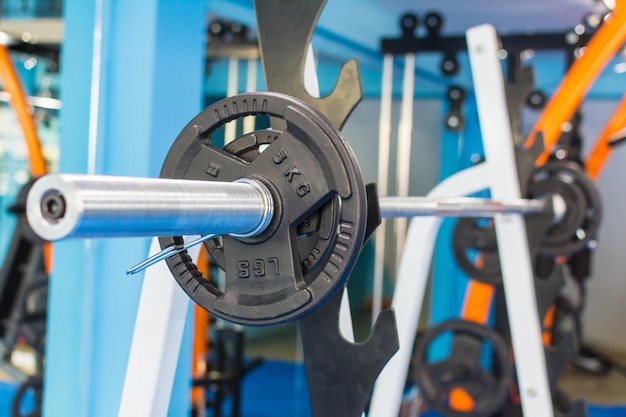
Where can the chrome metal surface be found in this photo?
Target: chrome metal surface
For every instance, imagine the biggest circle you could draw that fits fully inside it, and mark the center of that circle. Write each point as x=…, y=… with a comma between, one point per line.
x=384, y=145
x=166, y=253
x=87, y=206
x=392, y=207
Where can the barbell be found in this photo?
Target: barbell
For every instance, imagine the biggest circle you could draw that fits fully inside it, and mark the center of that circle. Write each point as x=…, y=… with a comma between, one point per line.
x=284, y=213
x=81, y=206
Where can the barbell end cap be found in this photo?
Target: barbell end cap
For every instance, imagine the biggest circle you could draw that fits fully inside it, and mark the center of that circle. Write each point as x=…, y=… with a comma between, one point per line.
x=47, y=210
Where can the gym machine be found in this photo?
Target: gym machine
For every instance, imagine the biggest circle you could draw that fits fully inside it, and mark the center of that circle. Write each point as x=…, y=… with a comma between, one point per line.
x=479, y=295
x=306, y=176
x=297, y=215
x=292, y=217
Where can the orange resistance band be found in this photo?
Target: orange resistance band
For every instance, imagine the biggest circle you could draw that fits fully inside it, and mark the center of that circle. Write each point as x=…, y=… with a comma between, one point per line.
x=570, y=92
x=21, y=108
x=200, y=340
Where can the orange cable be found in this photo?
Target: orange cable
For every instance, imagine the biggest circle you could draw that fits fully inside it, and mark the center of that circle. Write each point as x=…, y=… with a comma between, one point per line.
x=12, y=85
x=36, y=159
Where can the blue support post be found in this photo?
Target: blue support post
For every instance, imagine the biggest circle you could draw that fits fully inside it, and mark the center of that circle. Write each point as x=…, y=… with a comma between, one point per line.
x=445, y=281
x=449, y=283
x=149, y=86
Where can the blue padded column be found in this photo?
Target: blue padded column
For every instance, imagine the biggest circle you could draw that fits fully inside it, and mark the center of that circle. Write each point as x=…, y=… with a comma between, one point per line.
x=150, y=86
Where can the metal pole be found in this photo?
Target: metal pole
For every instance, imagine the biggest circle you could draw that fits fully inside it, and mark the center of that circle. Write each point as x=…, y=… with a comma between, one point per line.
x=249, y=122
x=515, y=256
x=87, y=206
x=384, y=139
x=405, y=129
x=230, y=129
x=404, y=207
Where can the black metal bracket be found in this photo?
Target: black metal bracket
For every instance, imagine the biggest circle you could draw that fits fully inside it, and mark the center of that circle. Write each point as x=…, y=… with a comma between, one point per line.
x=450, y=46
x=433, y=41
x=340, y=373
x=284, y=39
x=230, y=39
x=454, y=120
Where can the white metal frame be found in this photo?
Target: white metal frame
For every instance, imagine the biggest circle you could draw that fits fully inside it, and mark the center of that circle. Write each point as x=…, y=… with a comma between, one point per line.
x=156, y=342
x=515, y=260
x=499, y=174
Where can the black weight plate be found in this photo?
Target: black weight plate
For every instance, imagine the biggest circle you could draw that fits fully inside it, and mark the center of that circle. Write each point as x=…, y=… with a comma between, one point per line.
x=307, y=166
x=477, y=235
x=462, y=369
x=314, y=233
x=574, y=214
x=584, y=210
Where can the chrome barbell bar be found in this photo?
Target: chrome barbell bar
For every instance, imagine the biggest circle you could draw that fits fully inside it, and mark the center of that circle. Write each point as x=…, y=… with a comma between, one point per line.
x=62, y=206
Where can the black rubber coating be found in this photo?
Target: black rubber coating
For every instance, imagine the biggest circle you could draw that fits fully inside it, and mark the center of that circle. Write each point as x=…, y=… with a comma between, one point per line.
x=462, y=369
x=477, y=236
x=307, y=168
x=584, y=208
